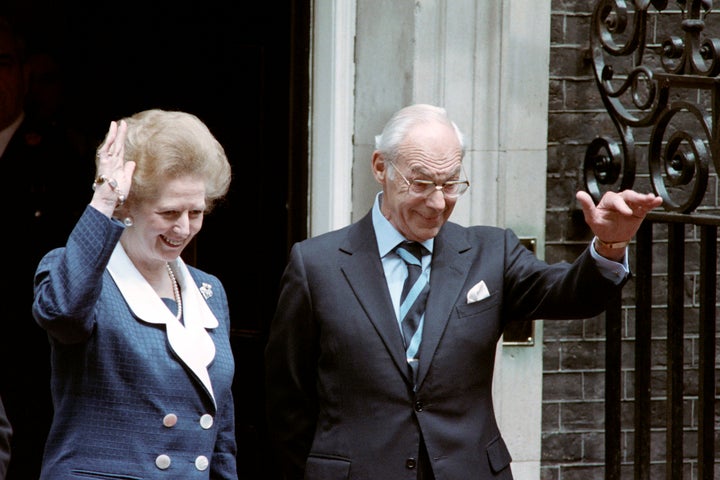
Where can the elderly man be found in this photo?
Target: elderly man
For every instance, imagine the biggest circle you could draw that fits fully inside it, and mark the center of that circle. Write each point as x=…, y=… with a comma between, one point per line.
x=380, y=355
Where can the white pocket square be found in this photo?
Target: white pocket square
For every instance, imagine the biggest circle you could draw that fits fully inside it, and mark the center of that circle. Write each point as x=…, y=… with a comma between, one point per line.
x=478, y=292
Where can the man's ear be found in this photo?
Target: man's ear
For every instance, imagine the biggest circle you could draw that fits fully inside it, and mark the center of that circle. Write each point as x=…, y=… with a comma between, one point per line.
x=379, y=167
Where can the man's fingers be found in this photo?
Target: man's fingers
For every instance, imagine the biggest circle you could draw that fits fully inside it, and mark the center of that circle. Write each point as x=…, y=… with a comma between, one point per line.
x=586, y=201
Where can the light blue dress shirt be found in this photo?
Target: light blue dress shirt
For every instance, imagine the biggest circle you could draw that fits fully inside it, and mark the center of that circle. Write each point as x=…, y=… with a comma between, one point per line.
x=396, y=271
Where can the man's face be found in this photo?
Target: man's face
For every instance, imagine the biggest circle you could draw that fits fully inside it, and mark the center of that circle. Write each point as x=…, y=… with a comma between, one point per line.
x=430, y=152
x=12, y=81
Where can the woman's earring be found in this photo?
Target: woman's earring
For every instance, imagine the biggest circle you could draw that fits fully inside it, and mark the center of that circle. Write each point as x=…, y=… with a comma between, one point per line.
x=128, y=221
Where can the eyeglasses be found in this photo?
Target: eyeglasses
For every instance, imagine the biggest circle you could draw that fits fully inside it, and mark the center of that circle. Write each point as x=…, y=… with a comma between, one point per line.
x=451, y=189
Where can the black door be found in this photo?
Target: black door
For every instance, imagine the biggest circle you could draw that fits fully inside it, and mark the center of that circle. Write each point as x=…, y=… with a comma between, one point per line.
x=242, y=68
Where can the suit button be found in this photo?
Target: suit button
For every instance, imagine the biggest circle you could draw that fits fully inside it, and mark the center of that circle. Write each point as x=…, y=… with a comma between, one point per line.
x=170, y=420
x=202, y=463
x=418, y=406
x=410, y=463
x=162, y=462
x=206, y=421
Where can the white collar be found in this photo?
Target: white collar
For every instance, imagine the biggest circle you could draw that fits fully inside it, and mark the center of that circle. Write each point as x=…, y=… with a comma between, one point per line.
x=191, y=341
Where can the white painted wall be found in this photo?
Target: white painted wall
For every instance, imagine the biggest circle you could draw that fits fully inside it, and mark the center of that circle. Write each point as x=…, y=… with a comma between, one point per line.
x=486, y=61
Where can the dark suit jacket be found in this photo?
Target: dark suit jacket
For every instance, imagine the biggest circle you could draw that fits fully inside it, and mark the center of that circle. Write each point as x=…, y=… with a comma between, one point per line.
x=341, y=404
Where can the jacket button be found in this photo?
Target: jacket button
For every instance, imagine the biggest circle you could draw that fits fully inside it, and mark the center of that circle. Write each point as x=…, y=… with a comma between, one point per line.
x=202, y=463
x=410, y=463
x=418, y=406
x=206, y=421
x=170, y=420
x=162, y=462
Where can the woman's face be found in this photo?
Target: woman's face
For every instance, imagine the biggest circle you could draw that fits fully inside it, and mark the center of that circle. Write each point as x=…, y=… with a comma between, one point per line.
x=164, y=225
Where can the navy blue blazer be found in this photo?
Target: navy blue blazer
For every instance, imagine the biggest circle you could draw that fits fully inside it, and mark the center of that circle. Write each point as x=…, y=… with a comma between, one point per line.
x=340, y=401
x=135, y=394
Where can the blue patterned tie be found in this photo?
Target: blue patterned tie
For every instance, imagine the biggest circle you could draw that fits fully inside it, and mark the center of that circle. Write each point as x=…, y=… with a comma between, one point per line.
x=412, y=300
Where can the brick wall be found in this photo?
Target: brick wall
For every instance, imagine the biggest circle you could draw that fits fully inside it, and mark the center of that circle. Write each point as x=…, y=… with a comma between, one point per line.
x=574, y=351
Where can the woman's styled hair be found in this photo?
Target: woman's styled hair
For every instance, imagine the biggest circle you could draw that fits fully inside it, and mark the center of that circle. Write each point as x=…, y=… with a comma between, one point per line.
x=169, y=144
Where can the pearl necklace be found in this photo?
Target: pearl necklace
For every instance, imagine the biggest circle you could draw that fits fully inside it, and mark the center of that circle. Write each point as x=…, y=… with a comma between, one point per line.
x=176, y=291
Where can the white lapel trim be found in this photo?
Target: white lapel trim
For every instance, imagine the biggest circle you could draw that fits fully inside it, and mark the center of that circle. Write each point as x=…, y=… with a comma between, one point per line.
x=191, y=341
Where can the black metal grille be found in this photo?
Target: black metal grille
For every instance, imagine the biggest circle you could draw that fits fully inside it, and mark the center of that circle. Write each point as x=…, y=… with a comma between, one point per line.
x=661, y=89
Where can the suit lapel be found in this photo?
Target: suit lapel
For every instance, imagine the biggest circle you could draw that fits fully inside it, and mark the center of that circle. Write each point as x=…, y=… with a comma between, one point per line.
x=362, y=267
x=447, y=277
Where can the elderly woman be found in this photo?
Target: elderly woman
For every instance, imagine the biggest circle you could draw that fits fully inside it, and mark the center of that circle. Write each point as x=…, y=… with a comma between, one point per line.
x=141, y=361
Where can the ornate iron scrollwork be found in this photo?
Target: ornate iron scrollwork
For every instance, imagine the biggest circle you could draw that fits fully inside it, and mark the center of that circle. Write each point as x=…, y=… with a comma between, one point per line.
x=669, y=89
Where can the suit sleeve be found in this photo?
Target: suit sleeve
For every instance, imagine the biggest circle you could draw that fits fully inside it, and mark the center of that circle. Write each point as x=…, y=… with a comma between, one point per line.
x=537, y=290
x=68, y=280
x=291, y=364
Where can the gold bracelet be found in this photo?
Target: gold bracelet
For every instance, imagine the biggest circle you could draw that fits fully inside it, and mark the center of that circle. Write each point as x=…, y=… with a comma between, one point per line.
x=101, y=179
x=612, y=244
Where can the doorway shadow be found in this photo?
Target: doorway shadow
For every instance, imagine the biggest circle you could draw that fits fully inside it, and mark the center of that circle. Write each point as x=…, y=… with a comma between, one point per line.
x=242, y=69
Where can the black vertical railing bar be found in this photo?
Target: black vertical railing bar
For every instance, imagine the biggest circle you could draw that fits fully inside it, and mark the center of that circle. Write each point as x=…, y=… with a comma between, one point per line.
x=675, y=354
x=613, y=381
x=707, y=330
x=643, y=349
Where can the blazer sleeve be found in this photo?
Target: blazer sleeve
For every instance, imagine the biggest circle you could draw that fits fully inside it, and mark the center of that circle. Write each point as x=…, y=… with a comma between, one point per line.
x=291, y=365
x=537, y=290
x=68, y=280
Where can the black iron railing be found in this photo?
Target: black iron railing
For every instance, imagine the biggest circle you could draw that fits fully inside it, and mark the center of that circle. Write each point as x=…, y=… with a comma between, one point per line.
x=656, y=68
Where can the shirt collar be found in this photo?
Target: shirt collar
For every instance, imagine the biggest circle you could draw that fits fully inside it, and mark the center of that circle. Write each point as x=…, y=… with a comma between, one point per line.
x=190, y=341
